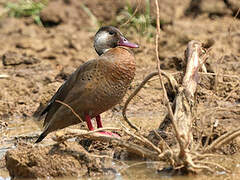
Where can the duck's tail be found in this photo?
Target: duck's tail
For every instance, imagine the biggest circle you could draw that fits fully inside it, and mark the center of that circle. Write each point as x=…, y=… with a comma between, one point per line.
x=41, y=137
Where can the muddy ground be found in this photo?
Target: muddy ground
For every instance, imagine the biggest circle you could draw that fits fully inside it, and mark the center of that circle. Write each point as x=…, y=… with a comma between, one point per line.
x=36, y=60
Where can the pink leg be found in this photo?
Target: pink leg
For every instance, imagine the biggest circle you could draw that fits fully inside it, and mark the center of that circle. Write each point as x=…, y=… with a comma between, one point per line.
x=99, y=125
x=99, y=122
x=89, y=123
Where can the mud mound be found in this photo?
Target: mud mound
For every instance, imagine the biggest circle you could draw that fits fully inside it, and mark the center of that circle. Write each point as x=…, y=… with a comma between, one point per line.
x=80, y=12
x=13, y=58
x=68, y=159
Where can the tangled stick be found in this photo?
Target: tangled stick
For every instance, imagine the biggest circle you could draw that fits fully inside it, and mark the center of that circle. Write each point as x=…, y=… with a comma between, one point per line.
x=182, y=117
x=131, y=147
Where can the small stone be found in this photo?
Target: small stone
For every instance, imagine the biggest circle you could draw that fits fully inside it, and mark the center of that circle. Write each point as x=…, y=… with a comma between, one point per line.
x=12, y=58
x=51, y=14
x=29, y=60
x=34, y=44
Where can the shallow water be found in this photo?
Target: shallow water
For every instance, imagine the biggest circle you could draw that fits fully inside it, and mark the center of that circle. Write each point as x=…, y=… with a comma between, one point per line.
x=22, y=127
x=17, y=127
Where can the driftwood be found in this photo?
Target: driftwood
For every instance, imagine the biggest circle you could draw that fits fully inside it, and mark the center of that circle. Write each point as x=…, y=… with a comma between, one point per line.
x=184, y=101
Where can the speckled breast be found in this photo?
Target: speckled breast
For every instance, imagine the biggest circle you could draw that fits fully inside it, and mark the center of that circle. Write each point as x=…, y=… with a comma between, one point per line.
x=115, y=81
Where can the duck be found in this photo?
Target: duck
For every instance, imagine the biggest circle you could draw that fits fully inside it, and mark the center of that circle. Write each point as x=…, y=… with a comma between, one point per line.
x=95, y=87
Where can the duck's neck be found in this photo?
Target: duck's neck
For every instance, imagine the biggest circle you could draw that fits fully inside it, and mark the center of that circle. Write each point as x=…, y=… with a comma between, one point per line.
x=123, y=63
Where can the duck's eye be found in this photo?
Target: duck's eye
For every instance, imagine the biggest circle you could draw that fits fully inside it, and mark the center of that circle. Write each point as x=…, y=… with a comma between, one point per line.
x=111, y=32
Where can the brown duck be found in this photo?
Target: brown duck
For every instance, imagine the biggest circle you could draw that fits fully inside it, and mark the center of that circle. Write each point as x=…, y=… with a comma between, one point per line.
x=95, y=86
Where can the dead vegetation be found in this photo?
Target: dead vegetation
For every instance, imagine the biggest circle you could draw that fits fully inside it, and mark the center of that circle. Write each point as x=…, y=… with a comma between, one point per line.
x=187, y=155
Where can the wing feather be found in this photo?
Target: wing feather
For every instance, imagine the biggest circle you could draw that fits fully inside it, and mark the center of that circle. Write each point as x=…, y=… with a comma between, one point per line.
x=63, y=92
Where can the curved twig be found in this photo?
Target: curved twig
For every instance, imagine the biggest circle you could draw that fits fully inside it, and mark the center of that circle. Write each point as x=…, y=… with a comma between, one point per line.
x=132, y=95
x=70, y=109
x=171, y=80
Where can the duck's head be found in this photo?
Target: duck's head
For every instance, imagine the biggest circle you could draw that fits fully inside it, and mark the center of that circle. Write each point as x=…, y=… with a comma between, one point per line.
x=109, y=37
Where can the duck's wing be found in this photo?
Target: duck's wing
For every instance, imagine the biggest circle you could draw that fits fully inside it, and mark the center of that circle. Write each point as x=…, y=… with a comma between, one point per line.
x=63, y=92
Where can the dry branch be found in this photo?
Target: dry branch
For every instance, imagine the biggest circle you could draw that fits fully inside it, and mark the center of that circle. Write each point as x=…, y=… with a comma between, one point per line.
x=184, y=102
x=225, y=138
x=131, y=147
x=170, y=111
x=182, y=117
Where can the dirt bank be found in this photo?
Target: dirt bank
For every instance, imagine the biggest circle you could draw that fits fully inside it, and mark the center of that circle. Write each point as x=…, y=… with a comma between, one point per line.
x=64, y=160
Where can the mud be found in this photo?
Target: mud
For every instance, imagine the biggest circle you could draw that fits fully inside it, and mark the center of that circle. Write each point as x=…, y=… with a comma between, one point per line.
x=37, y=60
x=64, y=160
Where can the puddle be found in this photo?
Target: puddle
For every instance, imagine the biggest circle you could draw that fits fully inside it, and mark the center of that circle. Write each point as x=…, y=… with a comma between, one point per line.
x=20, y=127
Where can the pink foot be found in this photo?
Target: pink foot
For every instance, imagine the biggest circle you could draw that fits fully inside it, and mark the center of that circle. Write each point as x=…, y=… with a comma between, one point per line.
x=109, y=134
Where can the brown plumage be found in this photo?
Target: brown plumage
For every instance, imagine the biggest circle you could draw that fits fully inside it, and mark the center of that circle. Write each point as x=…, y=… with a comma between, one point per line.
x=95, y=86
